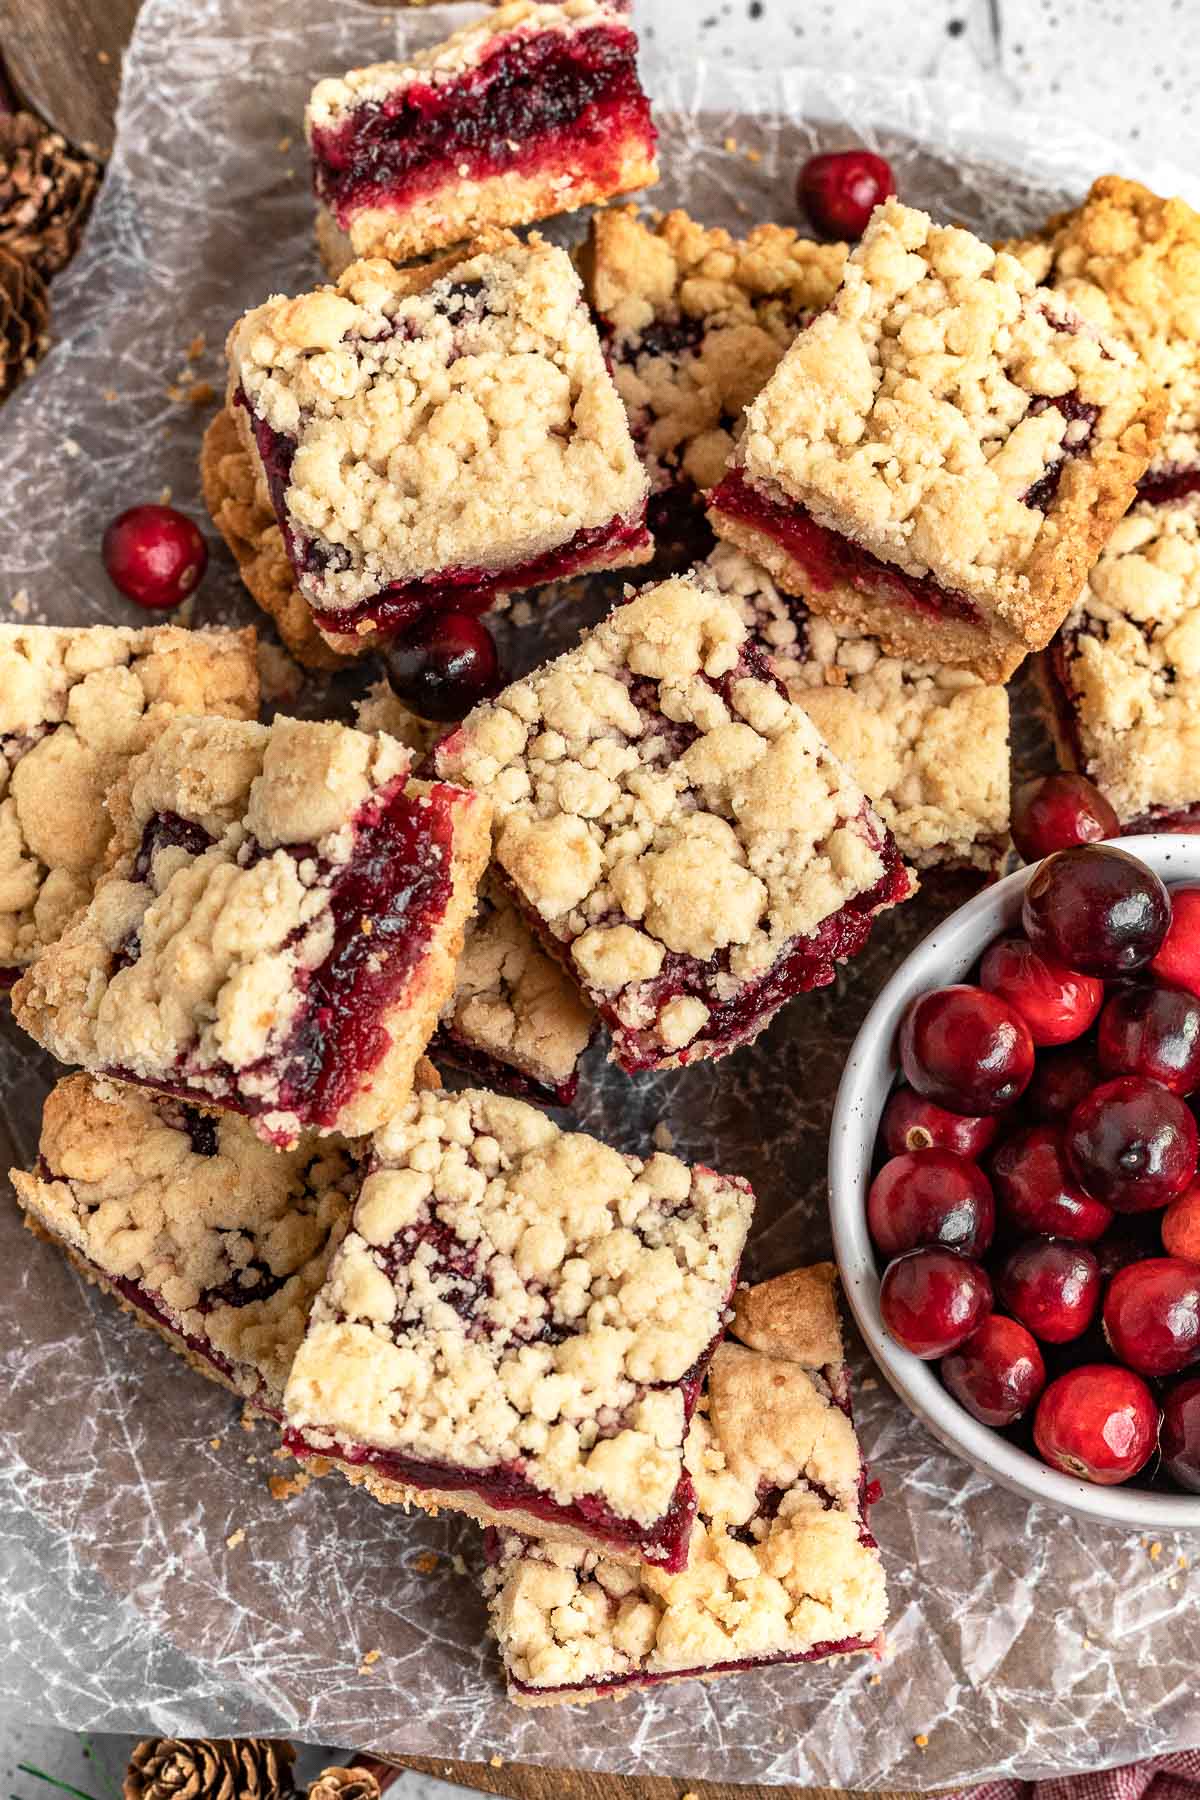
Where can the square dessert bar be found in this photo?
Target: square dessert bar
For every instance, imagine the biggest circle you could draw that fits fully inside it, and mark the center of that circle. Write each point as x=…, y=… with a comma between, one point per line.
x=531, y=111
x=195, y=1226
x=1123, y=675
x=927, y=743
x=782, y=1567
x=517, y=1326
x=674, y=828
x=276, y=931
x=432, y=437
x=695, y=322
x=941, y=455
x=75, y=705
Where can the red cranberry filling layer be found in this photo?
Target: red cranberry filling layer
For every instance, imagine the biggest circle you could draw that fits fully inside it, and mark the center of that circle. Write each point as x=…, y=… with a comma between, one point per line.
x=841, y=1647
x=1081, y=418
x=1173, y=483
x=447, y=1046
x=830, y=560
x=538, y=101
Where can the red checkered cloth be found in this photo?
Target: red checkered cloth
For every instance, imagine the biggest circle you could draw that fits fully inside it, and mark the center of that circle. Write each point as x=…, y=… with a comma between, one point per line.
x=1161, y=1778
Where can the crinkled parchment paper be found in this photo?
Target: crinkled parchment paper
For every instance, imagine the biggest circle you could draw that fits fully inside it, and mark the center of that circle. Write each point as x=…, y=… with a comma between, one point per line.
x=147, y=1578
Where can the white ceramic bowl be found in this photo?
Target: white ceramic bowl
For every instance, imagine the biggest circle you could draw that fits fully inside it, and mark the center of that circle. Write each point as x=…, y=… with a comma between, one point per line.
x=946, y=955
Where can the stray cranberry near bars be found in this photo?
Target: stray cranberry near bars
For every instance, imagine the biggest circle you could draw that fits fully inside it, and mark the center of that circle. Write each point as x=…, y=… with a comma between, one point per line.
x=277, y=930
x=433, y=437
x=534, y=110
x=782, y=1567
x=943, y=452
x=675, y=829
x=518, y=1324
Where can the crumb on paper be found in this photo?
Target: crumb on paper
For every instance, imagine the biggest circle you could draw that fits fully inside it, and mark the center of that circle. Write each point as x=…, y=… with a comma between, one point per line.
x=664, y=1139
x=19, y=604
x=102, y=56
x=875, y=1681
x=1183, y=1562
x=1173, y=1584
x=1155, y=1550
x=214, y=1443
x=249, y=1418
x=70, y=448
x=457, y=1564
x=164, y=495
x=731, y=145
x=426, y=1563
x=284, y=145
x=495, y=1762
x=197, y=347
x=110, y=396
x=921, y=1740
x=868, y=1385
x=754, y=156
x=174, y=393
x=201, y=393
x=235, y=1538
x=280, y=1454
x=369, y=1660
x=288, y=1487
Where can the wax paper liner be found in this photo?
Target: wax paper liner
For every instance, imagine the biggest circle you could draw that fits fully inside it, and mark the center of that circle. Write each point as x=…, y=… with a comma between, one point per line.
x=149, y=1581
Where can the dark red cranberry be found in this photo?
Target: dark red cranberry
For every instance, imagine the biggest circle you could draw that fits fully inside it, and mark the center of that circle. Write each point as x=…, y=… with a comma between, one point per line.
x=1098, y=1422
x=1180, y=1439
x=1132, y=1144
x=1096, y=909
x=1152, y=1031
x=1178, y=961
x=931, y=1197
x=840, y=189
x=1035, y=1193
x=154, y=555
x=1057, y=1004
x=997, y=1372
x=932, y=1298
x=1054, y=812
x=1061, y=1080
x=1181, y=1226
x=966, y=1050
x=1052, y=1288
x=1152, y=1315
x=911, y=1122
x=445, y=666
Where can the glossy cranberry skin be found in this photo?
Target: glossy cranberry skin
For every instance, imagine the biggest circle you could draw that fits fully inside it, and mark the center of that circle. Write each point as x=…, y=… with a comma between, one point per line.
x=1055, y=812
x=445, y=666
x=1097, y=1422
x=1155, y=1032
x=1052, y=1288
x=911, y=1122
x=1178, y=961
x=931, y=1197
x=932, y=1298
x=1132, y=1144
x=966, y=1049
x=1152, y=1315
x=1057, y=1004
x=154, y=555
x=1181, y=1226
x=997, y=1373
x=840, y=189
x=1061, y=1080
x=1096, y=909
x=1035, y=1194
x=1180, y=1436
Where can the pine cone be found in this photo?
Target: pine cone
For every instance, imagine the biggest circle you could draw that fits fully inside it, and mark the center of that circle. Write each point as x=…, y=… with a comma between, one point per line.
x=210, y=1769
x=24, y=317
x=46, y=192
x=344, y=1784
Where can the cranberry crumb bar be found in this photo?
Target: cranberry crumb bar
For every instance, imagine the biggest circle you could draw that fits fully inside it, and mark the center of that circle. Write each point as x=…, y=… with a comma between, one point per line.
x=927, y=743
x=941, y=455
x=695, y=322
x=517, y=1326
x=675, y=828
x=194, y=1226
x=782, y=1567
x=434, y=436
x=75, y=705
x=531, y=111
x=277, y=930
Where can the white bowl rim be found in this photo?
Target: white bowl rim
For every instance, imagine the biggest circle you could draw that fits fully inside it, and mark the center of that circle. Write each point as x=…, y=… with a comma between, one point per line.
x=851, y=1143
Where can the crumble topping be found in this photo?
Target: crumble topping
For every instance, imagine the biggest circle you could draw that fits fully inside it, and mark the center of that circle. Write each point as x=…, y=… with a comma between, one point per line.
x=197, y=1211
x=455, y=416
x=919, y=413
x=381, y=709
x=512, y=1292
x=75, y=705
x=928, y=742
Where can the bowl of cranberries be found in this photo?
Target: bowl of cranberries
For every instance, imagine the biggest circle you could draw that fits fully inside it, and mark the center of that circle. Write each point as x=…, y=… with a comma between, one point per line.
x=1014, y=1181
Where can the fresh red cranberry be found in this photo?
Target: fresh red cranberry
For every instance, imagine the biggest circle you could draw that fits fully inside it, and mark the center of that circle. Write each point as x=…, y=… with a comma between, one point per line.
x=1061, y=1080
x=1181, y=1226
x=1132, y=1144
x=1152, y=1031
x=1035, y=1193
x=1097, y=1422
x=933, y=1298
x=1178, y=961
x=1057, y=1004
x=997, y=1372
x=1052, y=1288
x=840, y=189
x=1152, y=1315
x=445, y=666
x=1180, y=1439
x=154, y=555
x=931, y=1197
x=1096, y=909
x=966, y=1049
x=1053, y=812
x=913, y=1123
